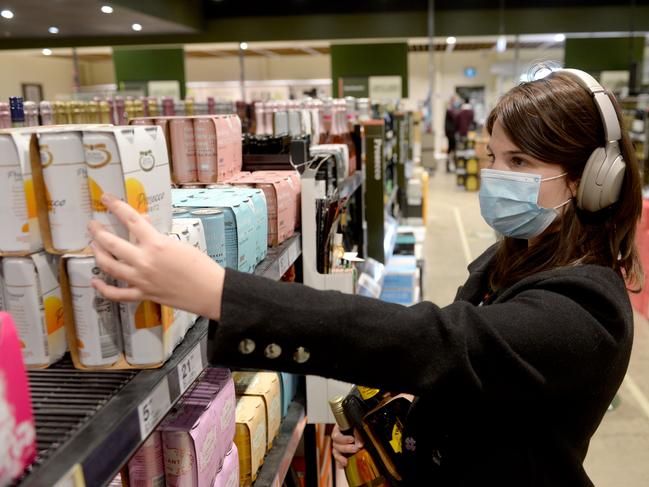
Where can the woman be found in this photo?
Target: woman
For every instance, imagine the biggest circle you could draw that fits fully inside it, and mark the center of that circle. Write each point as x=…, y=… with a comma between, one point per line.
x=514, y=377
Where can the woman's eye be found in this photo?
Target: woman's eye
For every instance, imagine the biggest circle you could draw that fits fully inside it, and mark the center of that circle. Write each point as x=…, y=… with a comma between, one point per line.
x=518, y=162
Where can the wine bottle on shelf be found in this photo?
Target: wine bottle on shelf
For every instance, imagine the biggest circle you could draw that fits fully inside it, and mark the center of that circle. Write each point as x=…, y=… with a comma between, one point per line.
x=361, y=469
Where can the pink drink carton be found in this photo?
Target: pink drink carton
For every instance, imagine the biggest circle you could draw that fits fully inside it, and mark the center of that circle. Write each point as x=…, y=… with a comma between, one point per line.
x=146, y=468
x=17, y=433
x=294, y=183
x=198, y=433
x=280, y=204
x=228, y=476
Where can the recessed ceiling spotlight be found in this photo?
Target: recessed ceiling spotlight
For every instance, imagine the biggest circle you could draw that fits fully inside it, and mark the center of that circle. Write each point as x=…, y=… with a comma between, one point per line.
x=559, y=37
x=136, y=27
x=243, y=46
x=7, y=14
x=451, y=40
x=107, y=9
x=53, y=30
x=47, y=52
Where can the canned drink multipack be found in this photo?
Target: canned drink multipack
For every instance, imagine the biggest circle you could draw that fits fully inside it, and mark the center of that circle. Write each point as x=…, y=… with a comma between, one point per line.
x=96, y=319
x=146, y=468
x=66, y=189
x=214, y=227
x=33, y=297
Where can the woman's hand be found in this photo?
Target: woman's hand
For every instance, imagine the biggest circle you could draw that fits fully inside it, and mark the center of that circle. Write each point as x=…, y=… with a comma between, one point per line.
x=156, y=267
x=344, y=445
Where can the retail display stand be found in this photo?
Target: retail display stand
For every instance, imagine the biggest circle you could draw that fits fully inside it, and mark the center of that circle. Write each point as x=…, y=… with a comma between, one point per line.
x=318, y=389
x=88, y=424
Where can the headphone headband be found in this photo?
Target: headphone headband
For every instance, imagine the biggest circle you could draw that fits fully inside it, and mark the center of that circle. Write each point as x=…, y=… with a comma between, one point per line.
x=612, y=128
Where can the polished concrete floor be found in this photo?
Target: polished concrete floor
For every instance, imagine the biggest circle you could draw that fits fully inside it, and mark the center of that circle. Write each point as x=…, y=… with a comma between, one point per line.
x=456, y=234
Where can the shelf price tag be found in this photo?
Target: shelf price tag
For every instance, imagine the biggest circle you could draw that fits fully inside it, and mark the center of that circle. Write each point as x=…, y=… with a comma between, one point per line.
x=292, y=251
x=283, y=264
x=74, y=478
x=153, y=408
x=190, y=368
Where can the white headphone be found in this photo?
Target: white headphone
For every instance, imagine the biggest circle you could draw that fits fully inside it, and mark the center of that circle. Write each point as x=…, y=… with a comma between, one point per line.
x=601, y=181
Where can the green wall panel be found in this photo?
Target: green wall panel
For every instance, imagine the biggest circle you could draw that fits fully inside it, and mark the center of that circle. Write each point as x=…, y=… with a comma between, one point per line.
x=604, y=54
x=363, y=60
x=150, y=65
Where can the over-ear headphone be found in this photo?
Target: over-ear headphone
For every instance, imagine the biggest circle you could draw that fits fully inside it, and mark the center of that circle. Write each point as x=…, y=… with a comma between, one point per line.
x=601, y=181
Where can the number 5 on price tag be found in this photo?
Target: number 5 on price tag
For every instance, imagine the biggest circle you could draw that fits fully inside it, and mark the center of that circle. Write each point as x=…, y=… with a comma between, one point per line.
x=190, y=368
x=153, y=408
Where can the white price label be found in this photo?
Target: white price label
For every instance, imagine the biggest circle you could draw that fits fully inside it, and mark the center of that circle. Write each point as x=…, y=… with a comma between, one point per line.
x=154, y=408
x=292, y=251
x=190, y=368
x=283, y=264
x=74, y=478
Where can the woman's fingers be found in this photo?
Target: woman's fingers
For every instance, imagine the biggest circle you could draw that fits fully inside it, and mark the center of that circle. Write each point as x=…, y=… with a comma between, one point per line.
x=114, y=245
x=110, y=265
x=341, y=461
x=347, y=449
x=339, y=438
x=136, y=223
x=358, y=438
x=115, y=293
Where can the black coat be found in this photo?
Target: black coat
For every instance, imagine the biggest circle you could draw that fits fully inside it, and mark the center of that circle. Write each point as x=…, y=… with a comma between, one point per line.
x=509, y=394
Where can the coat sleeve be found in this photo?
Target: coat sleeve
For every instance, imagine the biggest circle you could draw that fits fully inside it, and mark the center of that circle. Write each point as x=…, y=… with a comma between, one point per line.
x=545, y=338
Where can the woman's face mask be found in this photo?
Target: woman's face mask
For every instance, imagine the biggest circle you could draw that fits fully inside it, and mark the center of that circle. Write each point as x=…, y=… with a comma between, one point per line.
x=509, y=203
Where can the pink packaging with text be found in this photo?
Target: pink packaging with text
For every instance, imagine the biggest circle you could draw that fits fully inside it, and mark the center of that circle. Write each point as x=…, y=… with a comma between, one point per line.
x=146, y=468
x=228, y=476
x=198, y=433
x=17, y=433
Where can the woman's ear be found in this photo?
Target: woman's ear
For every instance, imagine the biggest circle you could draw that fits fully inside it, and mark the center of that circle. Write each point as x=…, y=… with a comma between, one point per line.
x=573, y=186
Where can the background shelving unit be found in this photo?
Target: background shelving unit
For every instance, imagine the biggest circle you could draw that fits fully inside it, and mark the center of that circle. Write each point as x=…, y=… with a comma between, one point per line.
x=88, y=424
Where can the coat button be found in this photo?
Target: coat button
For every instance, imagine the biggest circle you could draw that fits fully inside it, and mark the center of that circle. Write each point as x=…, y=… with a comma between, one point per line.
x=246, y=346
x=273, y=350
x=301, y=355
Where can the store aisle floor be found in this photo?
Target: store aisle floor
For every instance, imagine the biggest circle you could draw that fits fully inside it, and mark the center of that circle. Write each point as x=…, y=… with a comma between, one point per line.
x=456, y=234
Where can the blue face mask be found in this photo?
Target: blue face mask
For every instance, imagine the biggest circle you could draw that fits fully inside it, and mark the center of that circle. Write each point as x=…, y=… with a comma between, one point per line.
x=509, y=203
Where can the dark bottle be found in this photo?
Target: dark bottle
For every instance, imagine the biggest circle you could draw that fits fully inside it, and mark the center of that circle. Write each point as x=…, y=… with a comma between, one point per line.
x=361, y=469
x=355, y=411
x=17, y=111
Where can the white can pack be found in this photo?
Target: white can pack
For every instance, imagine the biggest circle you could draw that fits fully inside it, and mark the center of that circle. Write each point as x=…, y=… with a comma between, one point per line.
x=142, y=332
x=33, y=298
x=66, y=184
x=104, y=175
x=96, y=319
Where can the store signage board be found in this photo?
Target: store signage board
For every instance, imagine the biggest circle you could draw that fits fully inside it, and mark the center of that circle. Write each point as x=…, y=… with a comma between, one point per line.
x=164, y=88
x=385, y=87
x=356, y=87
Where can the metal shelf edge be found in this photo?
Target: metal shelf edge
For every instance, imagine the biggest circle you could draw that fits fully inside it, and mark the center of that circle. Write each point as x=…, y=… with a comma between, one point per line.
x=280, y=258
x=278, y=460
x=108, y=439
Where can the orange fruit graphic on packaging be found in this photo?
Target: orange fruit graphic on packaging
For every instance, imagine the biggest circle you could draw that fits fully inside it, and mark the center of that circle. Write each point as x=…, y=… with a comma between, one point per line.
x=136, y=195
x=53, y=314
x=95, y=196
x=147, y=315
x=30, y=199
x=80, y=343
x=167, y=317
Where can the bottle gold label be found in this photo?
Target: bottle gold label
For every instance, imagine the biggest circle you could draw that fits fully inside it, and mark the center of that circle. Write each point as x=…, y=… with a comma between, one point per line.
x=367, y=392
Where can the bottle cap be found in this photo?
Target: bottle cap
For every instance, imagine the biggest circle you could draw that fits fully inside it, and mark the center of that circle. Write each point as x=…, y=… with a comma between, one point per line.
x=336, y=405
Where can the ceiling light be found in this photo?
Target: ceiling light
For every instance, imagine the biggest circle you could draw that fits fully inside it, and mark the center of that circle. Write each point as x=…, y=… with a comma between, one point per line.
x=559, y=37
x=107, y=9
x=47, y=52
x=501, y=44
x=7, y=14
x=136, y=27
x=451, y=40
x=243, y=46
x=53, y=30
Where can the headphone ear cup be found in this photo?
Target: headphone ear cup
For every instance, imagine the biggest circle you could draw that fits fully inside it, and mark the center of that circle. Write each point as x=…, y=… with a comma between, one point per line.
x=613, y=183
x=588, y=193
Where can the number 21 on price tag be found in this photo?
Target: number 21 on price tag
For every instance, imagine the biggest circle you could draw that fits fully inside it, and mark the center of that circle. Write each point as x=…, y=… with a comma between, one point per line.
x=190, y=368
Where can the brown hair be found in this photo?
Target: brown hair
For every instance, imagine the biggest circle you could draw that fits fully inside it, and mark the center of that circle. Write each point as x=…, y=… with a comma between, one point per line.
x=555, y=120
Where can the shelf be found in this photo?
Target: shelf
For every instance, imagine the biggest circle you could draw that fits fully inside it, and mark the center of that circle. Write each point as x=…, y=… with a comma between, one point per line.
x=350, y=185
x=280, y=258
x=278, y=461
x=93, y=422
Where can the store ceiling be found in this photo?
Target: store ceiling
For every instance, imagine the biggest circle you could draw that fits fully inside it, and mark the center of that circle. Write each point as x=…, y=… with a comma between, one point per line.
x=79, y=18
x=249, y=8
